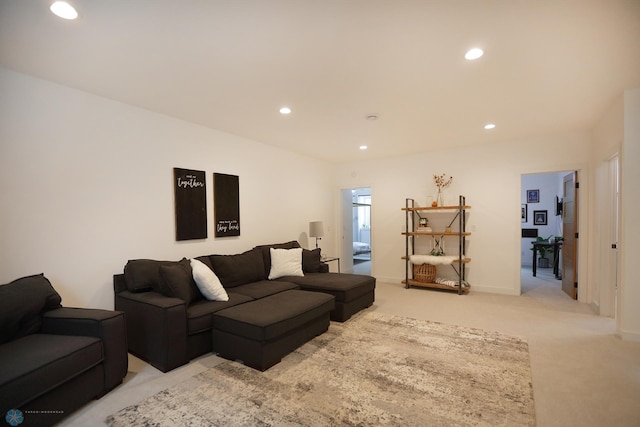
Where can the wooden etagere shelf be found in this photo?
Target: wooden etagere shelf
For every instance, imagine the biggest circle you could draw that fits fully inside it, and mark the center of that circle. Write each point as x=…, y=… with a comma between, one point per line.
x=435, y=208
x=435, y=233
x=464, y=260
x=459, y=233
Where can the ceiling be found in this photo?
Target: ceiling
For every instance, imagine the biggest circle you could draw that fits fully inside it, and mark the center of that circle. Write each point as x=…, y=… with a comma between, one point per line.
x=549, y=66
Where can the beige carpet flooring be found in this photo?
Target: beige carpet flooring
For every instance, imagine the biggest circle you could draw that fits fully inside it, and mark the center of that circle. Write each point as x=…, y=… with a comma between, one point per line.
x=583, y=374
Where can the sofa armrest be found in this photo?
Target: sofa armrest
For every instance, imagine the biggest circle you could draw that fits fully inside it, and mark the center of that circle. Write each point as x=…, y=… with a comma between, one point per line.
x=119, y=283
x=109, y=326
x=156, y=328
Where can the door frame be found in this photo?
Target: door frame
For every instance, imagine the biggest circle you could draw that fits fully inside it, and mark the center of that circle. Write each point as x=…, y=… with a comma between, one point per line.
x=345, y=228
x=569, y=266
x=581, y=169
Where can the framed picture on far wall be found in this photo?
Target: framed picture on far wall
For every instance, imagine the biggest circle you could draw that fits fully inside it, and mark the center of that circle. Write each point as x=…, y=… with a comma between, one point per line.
x=524, y=212
x=533, y=196
x=539, y=217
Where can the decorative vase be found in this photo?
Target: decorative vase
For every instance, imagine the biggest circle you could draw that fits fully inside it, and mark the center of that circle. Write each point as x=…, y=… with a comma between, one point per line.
x=439, y=200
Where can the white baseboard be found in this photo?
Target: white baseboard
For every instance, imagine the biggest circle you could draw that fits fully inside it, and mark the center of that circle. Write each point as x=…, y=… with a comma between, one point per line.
x=630, y=336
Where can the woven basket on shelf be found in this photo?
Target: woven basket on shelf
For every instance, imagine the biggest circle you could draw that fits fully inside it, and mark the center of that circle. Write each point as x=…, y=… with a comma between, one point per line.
x=424, y=273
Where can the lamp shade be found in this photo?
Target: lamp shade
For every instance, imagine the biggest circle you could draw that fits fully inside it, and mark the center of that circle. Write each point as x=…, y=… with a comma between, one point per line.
x=316, y=229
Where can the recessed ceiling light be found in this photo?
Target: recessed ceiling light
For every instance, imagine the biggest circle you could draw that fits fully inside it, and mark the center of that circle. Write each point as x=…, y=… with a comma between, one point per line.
x=372, y=116
x=363, y=147
x=474, y=53
x=489, y=126
x=64, y=10
x=285, y=110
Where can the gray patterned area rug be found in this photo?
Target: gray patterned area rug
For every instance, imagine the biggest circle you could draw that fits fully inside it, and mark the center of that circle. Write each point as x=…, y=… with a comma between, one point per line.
x=372, y=370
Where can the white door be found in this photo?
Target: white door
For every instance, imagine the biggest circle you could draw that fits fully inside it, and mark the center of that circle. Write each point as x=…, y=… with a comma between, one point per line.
x=608, y=244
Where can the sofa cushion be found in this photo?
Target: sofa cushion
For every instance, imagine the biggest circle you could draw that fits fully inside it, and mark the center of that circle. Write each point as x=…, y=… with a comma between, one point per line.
x=142, y=275
x=21, y=303
x=266, y=254
x=176, y=281
x=236, y=270
x=200, y=313
x=271, y=317
x=311, y=261
x=263, y=288
x=35, y=364
x=285, y=262
x=207, y=282
x=345, y=287
x=205, y=260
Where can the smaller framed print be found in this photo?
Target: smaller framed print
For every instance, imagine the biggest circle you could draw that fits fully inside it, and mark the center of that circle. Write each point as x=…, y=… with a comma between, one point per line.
x=533, y=196
x=524, y=212
x=539, y=217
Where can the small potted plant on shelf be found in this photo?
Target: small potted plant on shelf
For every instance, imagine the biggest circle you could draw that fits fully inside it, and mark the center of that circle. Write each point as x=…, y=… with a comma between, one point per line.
x=437, y=252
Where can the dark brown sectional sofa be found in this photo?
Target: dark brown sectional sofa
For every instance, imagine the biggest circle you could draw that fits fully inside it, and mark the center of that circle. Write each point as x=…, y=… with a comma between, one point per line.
x=54, y=359
x=169, y=324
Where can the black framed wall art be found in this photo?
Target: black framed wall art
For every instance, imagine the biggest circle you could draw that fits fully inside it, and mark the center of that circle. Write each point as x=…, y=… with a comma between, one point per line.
x=524, y=212
x=539, y=217
x=190, y=204
x=533, y=196
x=226, y=204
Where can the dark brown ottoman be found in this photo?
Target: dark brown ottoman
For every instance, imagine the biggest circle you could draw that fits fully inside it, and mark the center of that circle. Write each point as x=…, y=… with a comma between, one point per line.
x=353, y=292
x=261, y=332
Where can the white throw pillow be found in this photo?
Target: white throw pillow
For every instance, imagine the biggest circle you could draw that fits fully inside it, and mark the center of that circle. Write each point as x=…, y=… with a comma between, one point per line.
x=207, y=281
x=285, y=262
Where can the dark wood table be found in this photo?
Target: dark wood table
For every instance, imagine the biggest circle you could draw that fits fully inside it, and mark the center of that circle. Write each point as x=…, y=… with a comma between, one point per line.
x=556, y=256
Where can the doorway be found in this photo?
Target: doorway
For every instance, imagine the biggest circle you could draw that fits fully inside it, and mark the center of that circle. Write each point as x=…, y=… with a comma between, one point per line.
x=361, y=217
x=356, y=230
x=549, y=219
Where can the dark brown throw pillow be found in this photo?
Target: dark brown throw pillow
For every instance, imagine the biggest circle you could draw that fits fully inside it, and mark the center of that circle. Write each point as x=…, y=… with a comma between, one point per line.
x=311, y=261
x=205, y=260
x=21, y=303
x=236, y=270
x=143, y=275
x=176, y=281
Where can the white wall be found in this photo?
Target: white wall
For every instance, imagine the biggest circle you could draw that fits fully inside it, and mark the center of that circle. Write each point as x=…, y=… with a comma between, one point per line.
x=490, y=177
x=86, y=184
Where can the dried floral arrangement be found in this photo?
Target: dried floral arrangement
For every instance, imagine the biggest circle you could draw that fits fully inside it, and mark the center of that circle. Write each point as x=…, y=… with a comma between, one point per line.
x=441, y=181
